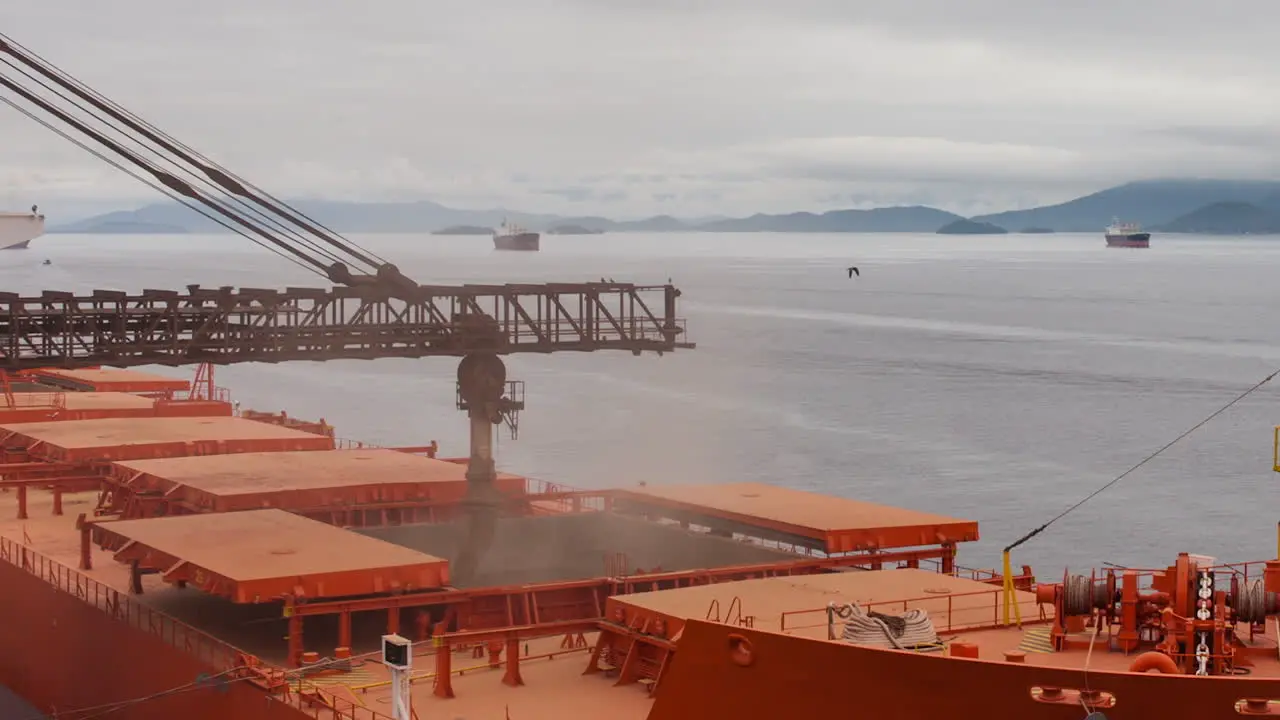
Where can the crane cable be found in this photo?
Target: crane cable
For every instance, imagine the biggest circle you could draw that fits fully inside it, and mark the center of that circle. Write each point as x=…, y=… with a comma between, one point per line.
x=1008, y=577
x=173, y=182
x=152, y=167
x=188, y=162
x=126, y=113
x=154, y=185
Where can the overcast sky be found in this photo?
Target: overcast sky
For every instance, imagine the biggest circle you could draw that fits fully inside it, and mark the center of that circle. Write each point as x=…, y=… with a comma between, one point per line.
x=688, y=107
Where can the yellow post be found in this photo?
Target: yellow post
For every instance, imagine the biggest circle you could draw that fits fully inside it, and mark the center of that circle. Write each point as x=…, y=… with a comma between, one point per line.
x=1275, y=450
x=1010, y=596
x=1008, y=587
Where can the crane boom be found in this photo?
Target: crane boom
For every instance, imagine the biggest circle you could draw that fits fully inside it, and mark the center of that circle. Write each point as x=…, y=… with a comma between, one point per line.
x=166, y=327
x=379, y=312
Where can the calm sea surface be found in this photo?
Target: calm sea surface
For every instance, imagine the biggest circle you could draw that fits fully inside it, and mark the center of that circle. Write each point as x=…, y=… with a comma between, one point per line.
x=998, y=379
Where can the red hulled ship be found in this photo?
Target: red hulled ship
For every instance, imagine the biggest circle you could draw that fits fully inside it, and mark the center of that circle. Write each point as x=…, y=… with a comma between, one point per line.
x=1127, y=235
x=512, y=237
x=154, y=540
x=163, y=554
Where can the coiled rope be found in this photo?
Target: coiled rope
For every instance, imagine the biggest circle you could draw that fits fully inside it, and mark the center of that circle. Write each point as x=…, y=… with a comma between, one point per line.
x=1082, y=595
x=1254, y=603
x=912, y=630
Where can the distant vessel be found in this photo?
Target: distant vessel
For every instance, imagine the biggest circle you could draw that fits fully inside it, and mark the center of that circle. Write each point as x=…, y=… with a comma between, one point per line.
x=511, y=237
x=1127, y=235
x=18, y=229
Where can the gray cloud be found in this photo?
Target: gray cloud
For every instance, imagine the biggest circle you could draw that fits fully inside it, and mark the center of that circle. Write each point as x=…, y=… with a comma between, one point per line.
x=1255, y=138
x=723, y=106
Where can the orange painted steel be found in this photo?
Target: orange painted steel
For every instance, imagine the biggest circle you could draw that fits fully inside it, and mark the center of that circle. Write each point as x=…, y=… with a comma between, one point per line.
x=88, y=441
x=59, y=485
x=310, y=482
x=189, y=408
x=498, y=608
x=664, y=614
x=720, y=671
x=102, y=405
x=795, y=620
x=283, y=419
x=99, y=379
x=507, y=638
x=1154, y=660
x=1184, y=614
x=795, y=516
x=162, y=653
x=266, y=555
x=638, y=650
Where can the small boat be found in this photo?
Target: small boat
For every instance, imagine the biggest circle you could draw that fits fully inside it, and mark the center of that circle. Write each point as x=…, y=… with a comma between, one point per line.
x=512, y=237
x=1129, y=235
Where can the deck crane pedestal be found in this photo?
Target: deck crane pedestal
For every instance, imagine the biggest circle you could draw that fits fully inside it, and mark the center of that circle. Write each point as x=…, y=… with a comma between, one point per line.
x=372, y=310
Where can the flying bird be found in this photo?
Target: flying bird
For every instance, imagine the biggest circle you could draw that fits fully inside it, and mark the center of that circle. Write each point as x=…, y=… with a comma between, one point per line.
x=854, y=271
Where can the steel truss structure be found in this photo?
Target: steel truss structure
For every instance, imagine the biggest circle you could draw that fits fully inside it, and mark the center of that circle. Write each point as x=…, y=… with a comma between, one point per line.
x=159, y=327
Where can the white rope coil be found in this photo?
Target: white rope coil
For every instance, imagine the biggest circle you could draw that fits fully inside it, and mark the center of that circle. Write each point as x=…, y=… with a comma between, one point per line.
x=908, y=631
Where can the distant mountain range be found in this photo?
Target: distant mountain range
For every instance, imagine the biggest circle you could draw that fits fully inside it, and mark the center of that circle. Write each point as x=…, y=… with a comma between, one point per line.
x=1201, y=206
x=1159, y=204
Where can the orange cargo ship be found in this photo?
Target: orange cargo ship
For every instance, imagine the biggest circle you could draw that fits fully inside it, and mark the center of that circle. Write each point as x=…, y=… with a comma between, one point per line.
x=163, y=557
x=163, y=554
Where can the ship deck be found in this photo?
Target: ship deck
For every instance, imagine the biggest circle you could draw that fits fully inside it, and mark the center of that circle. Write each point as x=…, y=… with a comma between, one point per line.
x=555, y=688
x=112, y=380
x=962, y=611
x=137, y=438
x=797, y=605
x=263, y=555
x=46, y=404
x=257, y=554
x=821, y=522
x=106, y=401
x=303, y=480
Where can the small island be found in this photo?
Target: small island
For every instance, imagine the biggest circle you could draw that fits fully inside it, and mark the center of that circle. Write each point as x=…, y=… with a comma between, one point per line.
x=971, y=227
x=1036, y=231
x=127, y=227
x=573, y=230
x=464, y=230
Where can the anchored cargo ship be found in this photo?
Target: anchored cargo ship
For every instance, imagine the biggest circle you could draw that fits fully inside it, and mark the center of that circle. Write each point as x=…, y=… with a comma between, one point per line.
x=18, y=229
x=512, y=237
x=1128, y=235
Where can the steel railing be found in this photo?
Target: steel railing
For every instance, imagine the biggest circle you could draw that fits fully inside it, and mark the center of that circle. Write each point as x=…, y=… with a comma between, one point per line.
x=207, y=649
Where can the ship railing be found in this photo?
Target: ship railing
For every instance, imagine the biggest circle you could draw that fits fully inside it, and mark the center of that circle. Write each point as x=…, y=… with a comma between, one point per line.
x=316, y=427
x=977, y=574
x=1250, y=570
x=316, y=702
x=207, y=649
x=973, y=609
x=38, y=400
x=1245, y=571
x=203, y=646
x=564, y=498
x=340, y=443
x=573, y=643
